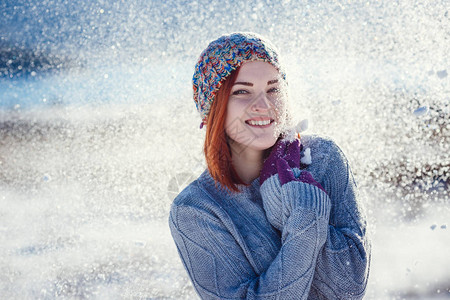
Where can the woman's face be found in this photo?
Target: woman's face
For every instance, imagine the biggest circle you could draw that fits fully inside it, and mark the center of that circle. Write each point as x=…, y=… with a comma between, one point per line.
x=255, y=107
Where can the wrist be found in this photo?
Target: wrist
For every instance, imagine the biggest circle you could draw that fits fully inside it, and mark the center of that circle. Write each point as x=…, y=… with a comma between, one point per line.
x=301, y=195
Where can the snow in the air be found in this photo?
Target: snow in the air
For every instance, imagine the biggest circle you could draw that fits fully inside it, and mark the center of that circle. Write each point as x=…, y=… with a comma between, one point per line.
x=99, y=133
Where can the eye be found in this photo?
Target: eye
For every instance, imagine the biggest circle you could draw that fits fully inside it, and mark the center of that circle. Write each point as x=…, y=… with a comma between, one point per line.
x=240, y=92
x=274, y=90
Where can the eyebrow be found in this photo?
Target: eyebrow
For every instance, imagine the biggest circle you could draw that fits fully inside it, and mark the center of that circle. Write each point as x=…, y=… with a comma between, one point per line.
x=251, y=84
x=244, y=83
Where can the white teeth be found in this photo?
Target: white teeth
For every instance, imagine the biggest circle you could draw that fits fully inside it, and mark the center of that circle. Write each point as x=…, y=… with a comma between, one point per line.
x=259, y=123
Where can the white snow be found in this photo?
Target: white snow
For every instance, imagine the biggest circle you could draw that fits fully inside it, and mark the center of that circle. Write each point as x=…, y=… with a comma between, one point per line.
x=302, y=125
x=87, y=176
x=306, y=158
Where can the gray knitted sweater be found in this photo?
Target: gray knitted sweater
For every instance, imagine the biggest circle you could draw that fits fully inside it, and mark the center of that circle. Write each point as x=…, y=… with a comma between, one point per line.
x=318, y=248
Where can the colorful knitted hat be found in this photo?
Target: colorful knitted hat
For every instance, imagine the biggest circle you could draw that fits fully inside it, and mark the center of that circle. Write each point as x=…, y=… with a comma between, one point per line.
x=221, y=57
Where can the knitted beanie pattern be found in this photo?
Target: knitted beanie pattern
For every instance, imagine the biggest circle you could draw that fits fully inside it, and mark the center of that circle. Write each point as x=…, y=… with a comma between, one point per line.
x=221, y=57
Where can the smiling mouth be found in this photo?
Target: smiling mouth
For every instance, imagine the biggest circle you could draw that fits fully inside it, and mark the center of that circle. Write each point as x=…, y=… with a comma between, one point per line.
x=259, y=123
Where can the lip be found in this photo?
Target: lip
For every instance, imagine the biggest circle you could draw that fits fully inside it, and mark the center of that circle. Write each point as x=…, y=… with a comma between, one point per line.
x=260, y=119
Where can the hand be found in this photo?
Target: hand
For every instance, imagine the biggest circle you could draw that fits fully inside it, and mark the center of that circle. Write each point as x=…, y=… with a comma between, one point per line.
x=290, y=151
x=279, y=169
x=286, y=174
x=270, y=164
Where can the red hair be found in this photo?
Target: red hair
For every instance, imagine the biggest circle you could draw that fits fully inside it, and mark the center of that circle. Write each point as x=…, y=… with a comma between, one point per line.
x=216, y=148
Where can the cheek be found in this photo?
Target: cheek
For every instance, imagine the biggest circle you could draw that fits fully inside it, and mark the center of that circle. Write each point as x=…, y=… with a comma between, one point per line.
x=279, y=108
x=235, y=112
x=231, y=124
x=281, y=102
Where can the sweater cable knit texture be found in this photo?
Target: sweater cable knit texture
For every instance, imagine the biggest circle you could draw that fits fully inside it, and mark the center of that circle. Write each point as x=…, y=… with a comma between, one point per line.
x=291, y=241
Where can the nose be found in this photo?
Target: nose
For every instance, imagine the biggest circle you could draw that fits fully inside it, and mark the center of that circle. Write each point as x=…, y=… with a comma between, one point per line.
x=261, y=103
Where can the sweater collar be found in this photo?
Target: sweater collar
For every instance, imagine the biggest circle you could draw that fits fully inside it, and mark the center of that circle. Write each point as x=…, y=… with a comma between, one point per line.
x=209, y=183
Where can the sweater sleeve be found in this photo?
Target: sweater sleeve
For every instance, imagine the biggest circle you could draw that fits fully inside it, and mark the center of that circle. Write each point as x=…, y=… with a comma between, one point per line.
x=343, y=263
x=219, y=266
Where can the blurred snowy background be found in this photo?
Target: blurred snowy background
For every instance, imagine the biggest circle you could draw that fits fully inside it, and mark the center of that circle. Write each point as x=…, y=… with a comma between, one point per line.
x=98, y=133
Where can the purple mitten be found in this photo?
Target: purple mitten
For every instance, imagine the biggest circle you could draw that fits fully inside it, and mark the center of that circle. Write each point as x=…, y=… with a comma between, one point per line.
x=283, y=148
x=286, y=174
x=270, y=164
x=292, y=155
x=306, y=177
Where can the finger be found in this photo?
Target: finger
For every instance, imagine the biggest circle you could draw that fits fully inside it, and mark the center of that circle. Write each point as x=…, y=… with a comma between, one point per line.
x=285, y=173
x=270, y=168
x=306, y=177
x=293, y=154
x=280, y=148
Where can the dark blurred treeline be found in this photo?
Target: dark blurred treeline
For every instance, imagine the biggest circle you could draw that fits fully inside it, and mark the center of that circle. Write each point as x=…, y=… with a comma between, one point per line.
x=18, y=61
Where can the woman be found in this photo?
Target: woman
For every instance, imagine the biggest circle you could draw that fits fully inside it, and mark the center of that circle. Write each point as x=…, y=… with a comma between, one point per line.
x=274, y=216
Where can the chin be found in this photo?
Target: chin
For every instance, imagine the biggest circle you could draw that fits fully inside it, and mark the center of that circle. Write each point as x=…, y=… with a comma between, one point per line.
x=262, y=144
